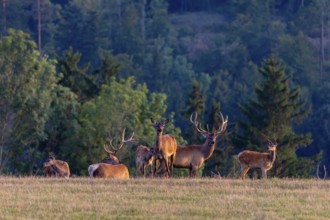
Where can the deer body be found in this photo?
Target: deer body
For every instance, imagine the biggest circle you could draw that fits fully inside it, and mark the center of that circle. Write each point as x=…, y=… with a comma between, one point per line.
x=111, y=167
x=193, y=156
x=143, y=159
x=56, y=168
x=252, y=159
x=104, y=170
x=165, y=146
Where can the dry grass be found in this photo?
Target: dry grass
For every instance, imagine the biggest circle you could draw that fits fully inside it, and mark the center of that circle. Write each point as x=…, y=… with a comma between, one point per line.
x=84, y=198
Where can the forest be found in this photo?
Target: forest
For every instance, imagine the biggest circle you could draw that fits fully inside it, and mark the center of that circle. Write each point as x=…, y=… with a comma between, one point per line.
x=75, y=73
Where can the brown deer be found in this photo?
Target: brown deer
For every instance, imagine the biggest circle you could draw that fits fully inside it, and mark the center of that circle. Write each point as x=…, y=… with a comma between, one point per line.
x=193, y=156
x=116, y=171
x=165, y=146
x=105, y=170
x=143, y=159
x=252, y=159
x=56, y=168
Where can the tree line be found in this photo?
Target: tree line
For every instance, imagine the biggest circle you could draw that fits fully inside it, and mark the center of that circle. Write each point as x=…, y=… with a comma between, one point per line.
x=102, y=66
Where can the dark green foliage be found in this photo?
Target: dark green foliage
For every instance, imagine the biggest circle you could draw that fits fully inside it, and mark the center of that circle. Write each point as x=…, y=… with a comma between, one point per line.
x=27, y=83
x=272, y=115
x=76, y=78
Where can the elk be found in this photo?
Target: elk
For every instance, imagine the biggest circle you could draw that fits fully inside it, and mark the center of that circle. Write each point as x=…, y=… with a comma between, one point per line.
x=143, y=158
x=252, y=159
x=106, y=170
x=165, y=146
x=193, y=156
x=56, y=168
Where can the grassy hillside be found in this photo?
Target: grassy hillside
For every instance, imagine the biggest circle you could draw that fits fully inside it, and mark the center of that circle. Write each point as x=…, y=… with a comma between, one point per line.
x=84, y=198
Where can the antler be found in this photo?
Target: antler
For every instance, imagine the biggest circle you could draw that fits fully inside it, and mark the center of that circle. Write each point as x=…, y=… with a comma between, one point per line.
x=196, y=124
x=223, y=125
x=268, y=139
x=120, y=145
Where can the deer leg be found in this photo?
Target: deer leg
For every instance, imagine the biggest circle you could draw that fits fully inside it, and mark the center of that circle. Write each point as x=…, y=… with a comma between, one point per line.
x=244, y=172
x=167, y=166
x=172, y=162
x=264, y=173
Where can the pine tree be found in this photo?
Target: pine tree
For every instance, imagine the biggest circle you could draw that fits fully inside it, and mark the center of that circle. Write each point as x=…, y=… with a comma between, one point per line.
x=195, y=103
x=272, y=115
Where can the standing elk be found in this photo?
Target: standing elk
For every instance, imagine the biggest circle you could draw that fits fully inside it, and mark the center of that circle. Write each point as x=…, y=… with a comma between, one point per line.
x=165, y=146
x=143, y=159
x=56, y=168
x=252, y=159
x=193, y=156
x=106, y=170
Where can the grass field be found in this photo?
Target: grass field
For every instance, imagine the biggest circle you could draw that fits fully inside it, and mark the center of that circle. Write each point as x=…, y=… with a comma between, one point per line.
x=200, y=198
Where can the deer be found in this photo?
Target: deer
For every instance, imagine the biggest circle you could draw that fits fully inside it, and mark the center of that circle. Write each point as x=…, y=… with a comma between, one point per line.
x=111, y=158
x=106, y=170
x=56, y=168
x=252, y=159
x=161, y=170
x=193, y=156
x=165, y=146
x=143, y=158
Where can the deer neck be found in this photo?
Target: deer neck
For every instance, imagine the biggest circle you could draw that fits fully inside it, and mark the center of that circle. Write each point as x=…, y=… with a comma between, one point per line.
x=207, y=149
x=159, y=140
x=272, y=156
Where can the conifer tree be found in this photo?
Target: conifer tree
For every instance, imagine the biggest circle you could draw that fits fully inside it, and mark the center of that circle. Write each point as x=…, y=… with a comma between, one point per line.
x=272, y=115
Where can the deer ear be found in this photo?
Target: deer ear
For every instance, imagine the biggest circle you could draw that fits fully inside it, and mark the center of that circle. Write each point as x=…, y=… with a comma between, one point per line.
x=152, y=120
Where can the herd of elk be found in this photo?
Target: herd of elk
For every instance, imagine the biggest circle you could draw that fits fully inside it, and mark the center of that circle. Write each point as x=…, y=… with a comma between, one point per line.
x=165, y=154
x=110, y=168
x=165, y=146
x=252, y=159
x=56, y=168
x=193, y=156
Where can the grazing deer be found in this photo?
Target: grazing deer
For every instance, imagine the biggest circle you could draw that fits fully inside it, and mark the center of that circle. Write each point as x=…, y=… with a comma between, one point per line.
x=116, y=171
x=252, y=159
x=165, y=146
x=56, y=168
x=143, y=158
x=193, y=156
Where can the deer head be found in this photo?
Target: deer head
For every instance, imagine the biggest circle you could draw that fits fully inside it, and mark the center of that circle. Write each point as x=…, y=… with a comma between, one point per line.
x=210, y=136
x=112, y=153
x=159, y=126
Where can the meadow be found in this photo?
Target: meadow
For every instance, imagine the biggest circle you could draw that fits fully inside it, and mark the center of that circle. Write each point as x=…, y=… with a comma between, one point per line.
x=176, y=198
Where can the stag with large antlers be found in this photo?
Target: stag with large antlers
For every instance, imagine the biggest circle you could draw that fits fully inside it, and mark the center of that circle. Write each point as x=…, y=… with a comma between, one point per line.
x=112, y=159
x=104, y=169
x=193, y=156
x=252, y=159
x=165, y=146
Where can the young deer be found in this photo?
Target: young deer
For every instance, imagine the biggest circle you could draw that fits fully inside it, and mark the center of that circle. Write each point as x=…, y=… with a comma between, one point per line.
x=56, y=168
x=165, y=146
x=193, y=156
x=143, y=158
x=117, y=171
x=252, y=159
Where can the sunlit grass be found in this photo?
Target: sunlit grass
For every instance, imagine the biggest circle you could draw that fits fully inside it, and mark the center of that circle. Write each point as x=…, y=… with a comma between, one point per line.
x=200, y=198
